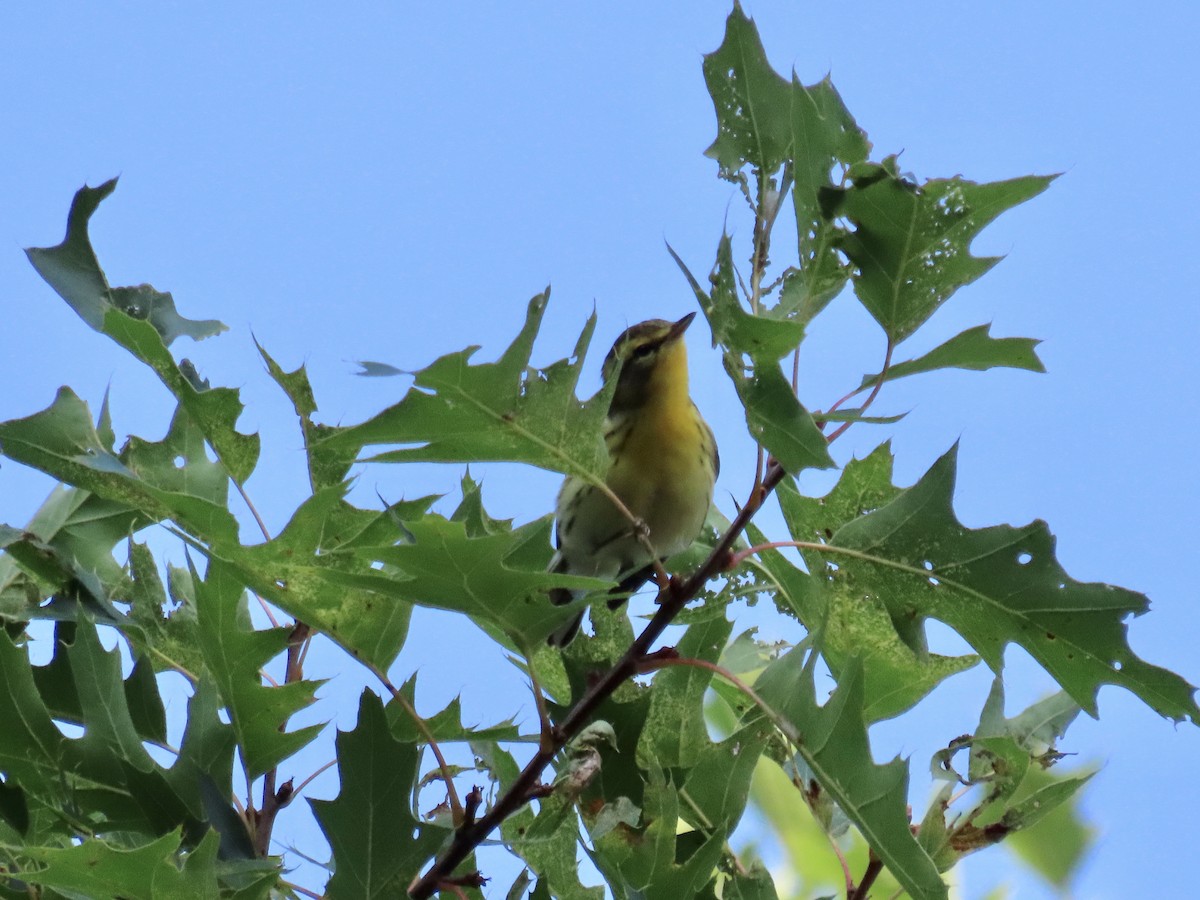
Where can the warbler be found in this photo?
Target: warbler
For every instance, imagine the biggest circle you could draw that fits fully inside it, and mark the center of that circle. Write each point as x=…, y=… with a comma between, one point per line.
x=663, y=463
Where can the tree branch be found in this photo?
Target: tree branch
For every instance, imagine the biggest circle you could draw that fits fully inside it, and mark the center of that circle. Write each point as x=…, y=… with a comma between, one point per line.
x=672, y=600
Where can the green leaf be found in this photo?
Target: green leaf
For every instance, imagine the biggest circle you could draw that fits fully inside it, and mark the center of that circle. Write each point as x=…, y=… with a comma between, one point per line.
x=653, y=861
x=234, y=653
x=824, y=136
x=62, y=442
x=197, y=879
x=1055, y=846
x=1036, y=730
x=320, y=569
x=501, y=411
x=996, y=586
x=832, y=741
x=97, y=868
x=445, y=725
x=377, y=844
x=31, y=748
x=852, y=623
x=71, y=268
x=717, y=782
x=295, y=384
x=973, y=349
x=675, y=734
x=752, y=346
x=751, y=101
x=911, y=244
x=202, y=774
x=445, y=568
x=166, y=636
x=144, y=322
x=108, y=720
x=327, y=465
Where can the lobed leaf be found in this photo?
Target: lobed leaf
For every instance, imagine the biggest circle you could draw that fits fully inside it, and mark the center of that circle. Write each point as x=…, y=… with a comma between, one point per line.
x=911, y=244
x=234, y=653
x=832, y=741
x=377, y=844
x=749, y=97
x=851, y=623
x=996, y=586
x=144, y=322
x=168, y=480
x=974, y=349
x=502, y=411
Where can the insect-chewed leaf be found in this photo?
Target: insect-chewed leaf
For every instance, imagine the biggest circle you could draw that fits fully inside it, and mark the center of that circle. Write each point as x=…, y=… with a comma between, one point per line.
x=824, y=136
x=751, y=101
x=852, y=623
x=144, y=322
x=996, y=586
x=911, y=244
x=504, y=411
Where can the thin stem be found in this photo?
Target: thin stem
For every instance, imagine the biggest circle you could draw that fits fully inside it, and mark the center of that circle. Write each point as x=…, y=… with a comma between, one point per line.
x=262, y=526
x=843, y=862
x=887, y=362
x=456, y=808
x=545, y=726
x=301, y=890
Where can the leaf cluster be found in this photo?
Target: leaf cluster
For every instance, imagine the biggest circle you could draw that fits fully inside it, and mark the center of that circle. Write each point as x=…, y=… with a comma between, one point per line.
x=646, y=760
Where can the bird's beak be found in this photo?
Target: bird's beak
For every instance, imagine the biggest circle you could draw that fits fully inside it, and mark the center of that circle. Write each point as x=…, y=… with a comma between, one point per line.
x=679, y=328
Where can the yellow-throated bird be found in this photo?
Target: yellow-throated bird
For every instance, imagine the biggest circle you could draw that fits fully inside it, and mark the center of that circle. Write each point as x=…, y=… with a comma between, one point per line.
x=662, y=465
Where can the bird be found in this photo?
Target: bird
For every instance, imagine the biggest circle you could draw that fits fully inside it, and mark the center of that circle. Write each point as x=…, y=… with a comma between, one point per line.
x=662, y=465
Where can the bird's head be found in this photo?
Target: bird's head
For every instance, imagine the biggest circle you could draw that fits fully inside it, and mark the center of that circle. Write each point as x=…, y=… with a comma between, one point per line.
x=649, y=360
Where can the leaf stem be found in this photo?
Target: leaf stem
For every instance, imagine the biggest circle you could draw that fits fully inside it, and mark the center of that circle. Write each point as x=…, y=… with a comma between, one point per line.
x=456, y=807
x=887, y=362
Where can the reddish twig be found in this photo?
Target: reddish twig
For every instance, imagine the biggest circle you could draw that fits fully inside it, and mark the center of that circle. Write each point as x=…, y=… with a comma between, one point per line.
x=874, y=867
x=887, y=363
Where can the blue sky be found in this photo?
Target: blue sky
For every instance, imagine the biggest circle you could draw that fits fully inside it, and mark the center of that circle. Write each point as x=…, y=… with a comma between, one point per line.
x=391, y=182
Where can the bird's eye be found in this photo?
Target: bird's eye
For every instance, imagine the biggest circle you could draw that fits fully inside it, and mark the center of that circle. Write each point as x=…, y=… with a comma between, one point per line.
x=642, y=351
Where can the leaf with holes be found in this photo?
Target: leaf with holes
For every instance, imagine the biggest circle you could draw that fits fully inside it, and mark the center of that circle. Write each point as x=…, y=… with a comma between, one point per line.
x=144, y=322
x=911, y=244
x=851, y=623
x=752, y=102
x=996, y=586
x=824, y=137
